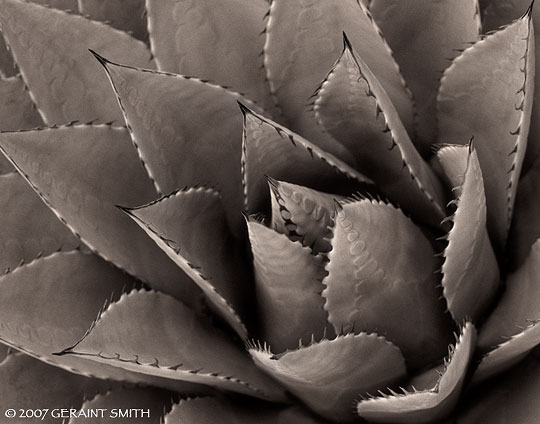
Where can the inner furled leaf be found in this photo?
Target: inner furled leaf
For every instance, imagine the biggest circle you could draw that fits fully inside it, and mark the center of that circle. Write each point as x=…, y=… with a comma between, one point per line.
x=288, y=289
x=519, y=305
x=353, y=106
x=127, y=15
x=470, y=270
x=135, y=405
x=191, y=227
x=426, y=406
x=328, y=376
x=27, y=383
x=63, y=78
x=217, y=41
x=272, y=150
x=424, y=35
x=381, y=278
x=17, y=111
x=82, y=172
x=187, y=131
x=304, y=39
x=514, y=399
x=210, y=410
x=303, y=214
x=28, y=229
x=487, y=93
x=184, y=346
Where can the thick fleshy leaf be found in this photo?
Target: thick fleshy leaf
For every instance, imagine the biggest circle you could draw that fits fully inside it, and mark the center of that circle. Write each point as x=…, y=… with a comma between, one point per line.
x=304, y=39
x=215, y=41
x=425, y=406
x=288, y=289
x=17, y=111
x=303, y=214
x=191, y=227
x=69, y=5
x=26, y=383
x=518, y=306
x=210, y=410
x=270, y=149
x=7, y=66
x=328, y=376
x=184, y=346
x=470, y=270
x=496, y=13
x=525, y=229
x=82, y=172
x=353, y=106
x=63, y=78
x=497, y=71
x=423, y=36
x=514, y=399
x=28, y=229
x=385, y=283
x=127, y=15
x=136, y=406
x=187, y=131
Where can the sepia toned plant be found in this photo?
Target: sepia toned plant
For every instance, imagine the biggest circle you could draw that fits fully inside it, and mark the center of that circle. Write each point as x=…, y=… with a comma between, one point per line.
x=252, y=211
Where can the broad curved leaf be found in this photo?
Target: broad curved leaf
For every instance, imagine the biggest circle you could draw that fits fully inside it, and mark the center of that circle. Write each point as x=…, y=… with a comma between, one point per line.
x=328, y=376
x=423, y=36
x=270, y=149
x=17, y=111
x=304, y=39
x=184, y=347
x=470, y=271
x=28, y=229
x=81, y=172
x=354, y=107
x=425, y=406
x=191, y=227
x=63, y=78
x=176, y=122
x=227, y=31
x=497, y=71
x=288, y=289
x=381, y=278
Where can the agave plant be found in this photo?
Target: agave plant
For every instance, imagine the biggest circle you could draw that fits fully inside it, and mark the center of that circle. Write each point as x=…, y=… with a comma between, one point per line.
x=247, y=211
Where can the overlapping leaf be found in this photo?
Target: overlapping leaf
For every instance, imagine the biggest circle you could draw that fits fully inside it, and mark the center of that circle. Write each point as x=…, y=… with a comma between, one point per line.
x=64, y=79
x=354, y=107
x=17, y=111
x=496, y=72
x=381, y=278
x=82, y=172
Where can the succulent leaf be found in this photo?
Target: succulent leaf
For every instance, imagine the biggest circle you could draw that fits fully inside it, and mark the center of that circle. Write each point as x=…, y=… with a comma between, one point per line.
x=425, y=406
x=28, y=383
x=184, y=347
x=143, y=406
x=64, y=80
x=42, y=232
x=17, y=111
x=423, y=36
x=209, y=410
x=470, y=271
x=303, y=214
x=515, y=311
x=191, y=227
x=68, y=5
x=514, y=399
x=288, y=289
x=328, y=376
x=270, y=149
x=385, y=283
x=497, y=71
x=127, y=15
x=303, y=40
x=168, y=116
x=353, y=106
x=7, y=66
x=88, y=169
x=228, y=31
